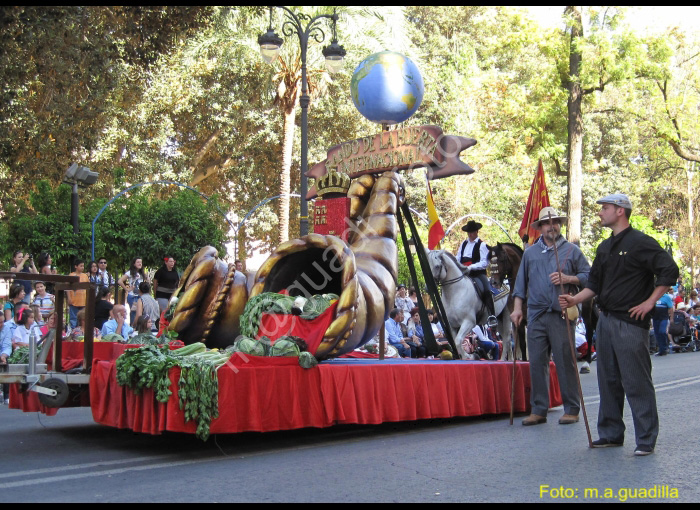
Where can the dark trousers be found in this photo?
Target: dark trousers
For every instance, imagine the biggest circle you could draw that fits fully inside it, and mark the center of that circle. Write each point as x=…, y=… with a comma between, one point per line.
x=624, y=369
x=545, y=334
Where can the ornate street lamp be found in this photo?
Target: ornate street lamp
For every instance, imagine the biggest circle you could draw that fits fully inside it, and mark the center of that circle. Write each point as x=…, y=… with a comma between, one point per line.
x=270, y=44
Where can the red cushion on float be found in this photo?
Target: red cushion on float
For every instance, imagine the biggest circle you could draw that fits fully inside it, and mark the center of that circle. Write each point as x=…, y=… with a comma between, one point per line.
x=274, y=325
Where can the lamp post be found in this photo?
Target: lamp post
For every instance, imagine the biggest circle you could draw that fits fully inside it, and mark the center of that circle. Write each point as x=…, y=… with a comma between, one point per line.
x=77, y=176
x=270, y=44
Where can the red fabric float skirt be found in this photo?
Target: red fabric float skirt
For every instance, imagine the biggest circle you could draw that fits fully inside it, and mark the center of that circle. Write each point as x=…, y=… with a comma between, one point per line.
x=267, y=394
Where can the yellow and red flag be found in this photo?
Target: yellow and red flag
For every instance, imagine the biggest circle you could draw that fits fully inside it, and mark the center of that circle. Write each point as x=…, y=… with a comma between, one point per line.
x=536, y=201
x=435, y=231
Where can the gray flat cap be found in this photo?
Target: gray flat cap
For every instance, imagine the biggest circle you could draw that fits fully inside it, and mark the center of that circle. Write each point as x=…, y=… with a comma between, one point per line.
x=618, y=199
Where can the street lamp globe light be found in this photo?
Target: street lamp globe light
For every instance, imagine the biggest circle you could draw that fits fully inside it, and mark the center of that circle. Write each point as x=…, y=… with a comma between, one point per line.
x=335, y=55
x=305, y=27
x=270, y=44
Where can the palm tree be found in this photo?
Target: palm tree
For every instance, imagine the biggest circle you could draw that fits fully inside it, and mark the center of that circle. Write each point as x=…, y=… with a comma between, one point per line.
x=288, y=80
x=375, y=29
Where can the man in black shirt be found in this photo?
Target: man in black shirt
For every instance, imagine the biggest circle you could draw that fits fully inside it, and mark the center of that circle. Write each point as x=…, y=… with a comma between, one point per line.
x=629, y=274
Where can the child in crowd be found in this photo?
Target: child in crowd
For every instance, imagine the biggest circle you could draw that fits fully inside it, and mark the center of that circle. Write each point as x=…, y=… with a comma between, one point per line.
x=25, y=321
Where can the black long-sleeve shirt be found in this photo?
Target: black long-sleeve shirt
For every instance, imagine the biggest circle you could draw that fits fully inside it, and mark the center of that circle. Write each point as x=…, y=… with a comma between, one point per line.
x=626, y=268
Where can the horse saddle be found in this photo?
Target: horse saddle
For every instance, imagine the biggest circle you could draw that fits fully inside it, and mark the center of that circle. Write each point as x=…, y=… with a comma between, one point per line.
x=495, y=291
x=480, y=290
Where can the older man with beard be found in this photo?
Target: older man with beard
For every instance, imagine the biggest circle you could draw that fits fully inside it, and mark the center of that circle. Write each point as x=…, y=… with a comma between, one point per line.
x=539, y=281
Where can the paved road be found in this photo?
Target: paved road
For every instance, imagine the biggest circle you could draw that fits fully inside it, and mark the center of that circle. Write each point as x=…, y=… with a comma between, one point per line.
x=69, y=458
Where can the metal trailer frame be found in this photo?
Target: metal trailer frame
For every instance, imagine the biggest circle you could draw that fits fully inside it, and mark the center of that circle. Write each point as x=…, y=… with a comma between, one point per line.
x=53, y=386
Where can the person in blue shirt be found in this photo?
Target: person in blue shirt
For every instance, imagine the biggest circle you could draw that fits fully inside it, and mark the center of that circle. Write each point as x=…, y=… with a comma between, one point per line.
x=662, y=314
x=5, y=341
x=117, y=324
x=395, y=336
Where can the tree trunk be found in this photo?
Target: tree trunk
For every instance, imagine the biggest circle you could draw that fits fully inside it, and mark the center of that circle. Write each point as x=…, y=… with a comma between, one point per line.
x=575, y=130
x=287, y=146
x=691, y=221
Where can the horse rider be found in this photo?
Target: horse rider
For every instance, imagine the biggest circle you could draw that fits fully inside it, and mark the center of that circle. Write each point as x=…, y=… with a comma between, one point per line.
x=539, y=281
x=474, y=253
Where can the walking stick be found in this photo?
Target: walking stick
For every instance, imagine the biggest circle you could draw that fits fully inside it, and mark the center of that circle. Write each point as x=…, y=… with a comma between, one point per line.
x=572, y=345
x=512, y=387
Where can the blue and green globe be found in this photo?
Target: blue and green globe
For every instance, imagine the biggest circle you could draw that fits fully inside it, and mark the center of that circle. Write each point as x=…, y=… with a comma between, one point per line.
x=387, y=87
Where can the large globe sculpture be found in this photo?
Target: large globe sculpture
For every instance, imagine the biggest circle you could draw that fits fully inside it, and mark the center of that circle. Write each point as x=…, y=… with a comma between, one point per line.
x=387, y=87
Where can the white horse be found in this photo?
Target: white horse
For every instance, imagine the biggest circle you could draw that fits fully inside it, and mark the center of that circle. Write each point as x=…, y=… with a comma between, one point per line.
x=461, y=300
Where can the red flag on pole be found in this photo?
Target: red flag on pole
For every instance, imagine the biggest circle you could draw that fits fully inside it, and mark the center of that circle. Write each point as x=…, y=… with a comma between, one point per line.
x=435, y=231
x=536, y=201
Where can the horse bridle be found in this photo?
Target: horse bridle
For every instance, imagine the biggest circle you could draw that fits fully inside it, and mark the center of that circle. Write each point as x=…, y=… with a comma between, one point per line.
x=442, y=283
x=493, y=266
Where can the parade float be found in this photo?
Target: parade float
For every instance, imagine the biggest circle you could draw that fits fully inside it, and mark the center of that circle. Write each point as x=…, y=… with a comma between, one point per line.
x=287, y=354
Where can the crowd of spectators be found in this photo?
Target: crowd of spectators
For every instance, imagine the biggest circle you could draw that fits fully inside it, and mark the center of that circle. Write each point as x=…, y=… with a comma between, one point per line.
x=405, y=336
x=675, y=320
x=30, y=305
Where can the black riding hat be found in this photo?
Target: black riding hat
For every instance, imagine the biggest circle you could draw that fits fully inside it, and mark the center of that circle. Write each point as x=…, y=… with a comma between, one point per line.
x=472, y=226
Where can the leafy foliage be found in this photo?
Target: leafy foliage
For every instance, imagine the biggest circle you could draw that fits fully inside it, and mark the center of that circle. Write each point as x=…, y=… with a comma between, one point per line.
x=149, y=223
x=180, y=93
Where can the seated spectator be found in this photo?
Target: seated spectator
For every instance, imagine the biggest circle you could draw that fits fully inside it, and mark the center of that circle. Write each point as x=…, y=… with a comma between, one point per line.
x=413, y=321
x=394, y=335
x=693, y=300
x=49, y=323
x=25, y=322
x=11, y=325
x=78, y=333
x=680, y=316
x=146, y=305
x=695, y=314
x=44, y=300
x=15, y=297
x=409, y=331
x=438, y=332
x=489, y=346
x=436, y=329
x=38, y=319
x=103, y=306
x=413, y=296
x=117, y=323
x=144, y=324
x=5, y=343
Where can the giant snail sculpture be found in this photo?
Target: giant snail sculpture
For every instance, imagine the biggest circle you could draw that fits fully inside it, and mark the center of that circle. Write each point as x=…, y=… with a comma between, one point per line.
x=361, y=271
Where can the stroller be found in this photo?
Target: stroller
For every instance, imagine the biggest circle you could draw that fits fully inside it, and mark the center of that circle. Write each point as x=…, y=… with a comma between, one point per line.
x=693, y=344
x=682, y=332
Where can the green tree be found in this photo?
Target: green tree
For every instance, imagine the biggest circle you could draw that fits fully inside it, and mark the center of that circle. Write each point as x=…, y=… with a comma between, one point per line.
x=147, y=223
x=66, y=72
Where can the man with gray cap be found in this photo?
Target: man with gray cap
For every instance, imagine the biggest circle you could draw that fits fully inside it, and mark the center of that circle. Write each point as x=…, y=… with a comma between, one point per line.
x=630, y=273
x=539, y=280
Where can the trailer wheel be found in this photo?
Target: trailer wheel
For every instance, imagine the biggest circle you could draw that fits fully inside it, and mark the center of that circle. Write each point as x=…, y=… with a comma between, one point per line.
x=62, y=392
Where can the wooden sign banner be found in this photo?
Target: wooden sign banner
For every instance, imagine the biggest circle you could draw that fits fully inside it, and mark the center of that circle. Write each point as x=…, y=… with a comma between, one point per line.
x=400, y=149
